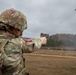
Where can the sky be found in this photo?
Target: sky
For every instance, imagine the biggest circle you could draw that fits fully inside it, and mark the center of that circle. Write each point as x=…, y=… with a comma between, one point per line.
x=45, y=16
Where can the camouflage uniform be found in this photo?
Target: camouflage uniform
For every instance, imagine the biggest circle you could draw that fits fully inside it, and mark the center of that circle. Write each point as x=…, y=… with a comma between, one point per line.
x=11, y=59
x=33, y=45
x=12, y=63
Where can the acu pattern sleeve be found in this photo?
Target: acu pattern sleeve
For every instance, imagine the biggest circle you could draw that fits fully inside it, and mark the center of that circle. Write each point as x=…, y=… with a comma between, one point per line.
x=27, y=47
x=37, y=43
x=32, y=46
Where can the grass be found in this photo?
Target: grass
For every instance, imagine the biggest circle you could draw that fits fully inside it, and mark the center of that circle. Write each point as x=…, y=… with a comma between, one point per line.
x=43, y=65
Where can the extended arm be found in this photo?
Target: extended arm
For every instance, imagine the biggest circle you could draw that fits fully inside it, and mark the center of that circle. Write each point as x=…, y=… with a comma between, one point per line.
x=34, y=44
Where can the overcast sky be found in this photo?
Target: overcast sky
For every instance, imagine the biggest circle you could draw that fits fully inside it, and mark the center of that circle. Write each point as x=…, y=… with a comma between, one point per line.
x=45, y=16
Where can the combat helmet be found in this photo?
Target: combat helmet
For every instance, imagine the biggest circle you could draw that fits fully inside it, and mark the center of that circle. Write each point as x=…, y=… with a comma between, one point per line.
x=14, y=18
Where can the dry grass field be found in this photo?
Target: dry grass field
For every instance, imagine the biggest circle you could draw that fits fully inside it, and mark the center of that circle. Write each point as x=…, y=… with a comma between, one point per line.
x=51, y=62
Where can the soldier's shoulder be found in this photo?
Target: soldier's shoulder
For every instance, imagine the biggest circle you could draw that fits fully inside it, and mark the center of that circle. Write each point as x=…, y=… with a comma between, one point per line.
x=22, y=41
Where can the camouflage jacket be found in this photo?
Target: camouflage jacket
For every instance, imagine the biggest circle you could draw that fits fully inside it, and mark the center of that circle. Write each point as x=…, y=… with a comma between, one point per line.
x=32, y=44
x=12, y=55
x=14, y=49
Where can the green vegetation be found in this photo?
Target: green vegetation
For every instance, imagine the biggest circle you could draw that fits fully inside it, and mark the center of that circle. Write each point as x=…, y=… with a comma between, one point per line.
x=52, y=43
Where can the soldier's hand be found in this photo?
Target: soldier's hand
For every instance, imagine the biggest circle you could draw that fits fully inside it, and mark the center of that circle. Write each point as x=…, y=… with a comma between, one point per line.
x=43, y=40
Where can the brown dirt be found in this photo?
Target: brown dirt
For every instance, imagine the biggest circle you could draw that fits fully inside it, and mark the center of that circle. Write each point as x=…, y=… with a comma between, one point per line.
x=49, y=62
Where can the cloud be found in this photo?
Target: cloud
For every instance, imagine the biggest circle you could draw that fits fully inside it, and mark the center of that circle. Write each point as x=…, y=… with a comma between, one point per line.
x=48, y=16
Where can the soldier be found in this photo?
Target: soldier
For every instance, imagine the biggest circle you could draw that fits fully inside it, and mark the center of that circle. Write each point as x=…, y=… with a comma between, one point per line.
x=12, y=46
